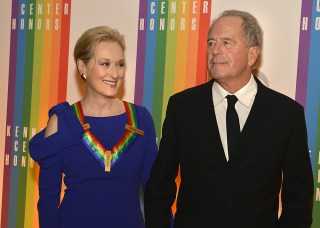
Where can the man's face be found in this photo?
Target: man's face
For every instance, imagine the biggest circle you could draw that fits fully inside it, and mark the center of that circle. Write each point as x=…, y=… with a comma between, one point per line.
x=229, y=58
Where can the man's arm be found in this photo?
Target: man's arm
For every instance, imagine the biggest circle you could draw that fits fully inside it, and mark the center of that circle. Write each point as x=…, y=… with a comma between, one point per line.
x=297, y=187
x=161, y=187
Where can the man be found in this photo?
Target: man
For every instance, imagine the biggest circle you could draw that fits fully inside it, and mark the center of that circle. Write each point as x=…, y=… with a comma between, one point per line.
x=227, y=180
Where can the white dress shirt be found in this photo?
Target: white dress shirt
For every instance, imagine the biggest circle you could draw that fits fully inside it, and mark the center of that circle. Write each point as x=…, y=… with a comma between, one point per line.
x=245, y=97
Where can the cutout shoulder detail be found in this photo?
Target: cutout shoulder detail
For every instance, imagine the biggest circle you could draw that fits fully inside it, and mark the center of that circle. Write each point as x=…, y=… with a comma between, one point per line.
x=52, y=126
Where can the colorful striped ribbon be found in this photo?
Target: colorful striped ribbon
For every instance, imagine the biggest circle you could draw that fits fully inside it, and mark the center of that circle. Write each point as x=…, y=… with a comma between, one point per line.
x=94, y=145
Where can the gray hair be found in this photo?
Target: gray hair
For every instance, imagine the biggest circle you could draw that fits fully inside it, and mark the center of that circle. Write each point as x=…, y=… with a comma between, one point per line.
x=251, y=28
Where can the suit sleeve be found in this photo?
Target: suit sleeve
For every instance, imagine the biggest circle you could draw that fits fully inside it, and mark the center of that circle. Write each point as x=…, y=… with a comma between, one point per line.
x=161, y=187
x=297, y=186
x=151, y=148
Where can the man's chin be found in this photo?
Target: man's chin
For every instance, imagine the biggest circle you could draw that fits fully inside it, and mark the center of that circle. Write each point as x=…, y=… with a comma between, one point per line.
x=216, y=75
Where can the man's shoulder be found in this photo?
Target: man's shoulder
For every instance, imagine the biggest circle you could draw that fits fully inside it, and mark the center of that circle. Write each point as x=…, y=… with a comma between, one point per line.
x=276, y=98
x=192, y=98
x=195, y=91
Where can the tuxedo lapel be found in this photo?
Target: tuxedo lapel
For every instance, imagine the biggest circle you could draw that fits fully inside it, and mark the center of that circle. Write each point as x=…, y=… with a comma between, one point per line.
x=256, y=116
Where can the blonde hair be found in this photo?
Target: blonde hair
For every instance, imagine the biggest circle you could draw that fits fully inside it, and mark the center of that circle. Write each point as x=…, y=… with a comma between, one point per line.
x=88, y=41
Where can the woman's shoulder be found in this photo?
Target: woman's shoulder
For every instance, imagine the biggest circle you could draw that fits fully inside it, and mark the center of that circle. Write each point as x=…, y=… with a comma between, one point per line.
x=140, y=110
x=62, y=118
x=67, y=134
x=65, y=117
x=144, y=117
x=60, y=108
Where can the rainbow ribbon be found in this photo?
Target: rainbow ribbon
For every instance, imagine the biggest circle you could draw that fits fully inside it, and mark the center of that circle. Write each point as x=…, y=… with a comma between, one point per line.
x=94, y=145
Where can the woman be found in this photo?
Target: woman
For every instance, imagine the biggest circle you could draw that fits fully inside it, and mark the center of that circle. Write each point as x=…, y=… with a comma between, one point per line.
x=104, y=146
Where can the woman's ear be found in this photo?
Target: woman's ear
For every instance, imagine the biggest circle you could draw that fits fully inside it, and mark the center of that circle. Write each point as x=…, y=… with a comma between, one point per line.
x=81, y=66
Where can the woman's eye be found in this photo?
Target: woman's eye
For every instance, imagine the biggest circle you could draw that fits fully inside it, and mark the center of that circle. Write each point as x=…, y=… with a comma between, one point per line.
x=106, y=64
x=120, y=65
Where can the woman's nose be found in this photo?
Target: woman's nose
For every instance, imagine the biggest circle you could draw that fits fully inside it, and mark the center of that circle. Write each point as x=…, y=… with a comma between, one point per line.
x=113, y=71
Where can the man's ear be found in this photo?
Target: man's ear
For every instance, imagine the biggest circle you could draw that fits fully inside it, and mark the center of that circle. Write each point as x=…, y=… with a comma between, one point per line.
x=253, y=55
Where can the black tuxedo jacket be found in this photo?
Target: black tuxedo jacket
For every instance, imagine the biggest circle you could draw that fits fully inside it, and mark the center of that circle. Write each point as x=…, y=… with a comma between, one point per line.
x=241, y=192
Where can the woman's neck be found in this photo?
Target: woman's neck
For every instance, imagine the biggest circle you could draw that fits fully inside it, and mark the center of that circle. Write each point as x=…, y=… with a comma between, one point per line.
x=102, y=107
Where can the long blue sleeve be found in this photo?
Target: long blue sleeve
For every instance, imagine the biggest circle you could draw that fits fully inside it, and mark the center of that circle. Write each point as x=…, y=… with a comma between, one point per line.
x=46, y=152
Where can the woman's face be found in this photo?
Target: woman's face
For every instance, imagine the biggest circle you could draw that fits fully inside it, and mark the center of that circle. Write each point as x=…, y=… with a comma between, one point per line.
x=106, y=70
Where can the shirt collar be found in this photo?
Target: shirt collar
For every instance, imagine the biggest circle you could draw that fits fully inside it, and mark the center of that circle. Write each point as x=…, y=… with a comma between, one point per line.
x=245, y=95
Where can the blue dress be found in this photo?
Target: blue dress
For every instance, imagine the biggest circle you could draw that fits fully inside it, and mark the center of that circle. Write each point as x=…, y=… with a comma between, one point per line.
x=93, y=197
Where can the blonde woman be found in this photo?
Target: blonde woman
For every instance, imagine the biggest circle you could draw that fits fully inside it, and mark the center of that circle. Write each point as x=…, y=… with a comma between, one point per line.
x=104, y=146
